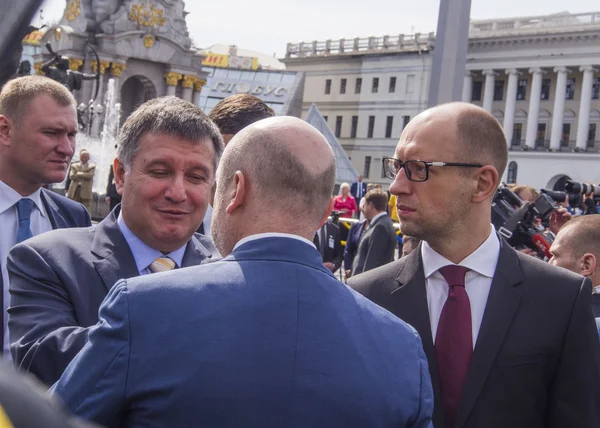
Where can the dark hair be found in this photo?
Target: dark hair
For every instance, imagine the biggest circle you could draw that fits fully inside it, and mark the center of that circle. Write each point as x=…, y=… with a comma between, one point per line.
x=234, y=113
x=583, y=235
x=482, y=138
x=377, y=198
x=414, y=241
x=171, y=116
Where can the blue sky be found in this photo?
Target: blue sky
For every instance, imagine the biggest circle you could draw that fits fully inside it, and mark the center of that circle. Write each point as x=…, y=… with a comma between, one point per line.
x=267, y=25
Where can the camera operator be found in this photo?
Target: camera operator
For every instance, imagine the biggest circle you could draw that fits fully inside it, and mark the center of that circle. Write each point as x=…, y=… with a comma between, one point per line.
x=577, y=248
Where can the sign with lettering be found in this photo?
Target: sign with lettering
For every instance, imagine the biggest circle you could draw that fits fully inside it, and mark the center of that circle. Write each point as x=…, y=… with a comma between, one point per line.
x=264, y=90
x=216, y=60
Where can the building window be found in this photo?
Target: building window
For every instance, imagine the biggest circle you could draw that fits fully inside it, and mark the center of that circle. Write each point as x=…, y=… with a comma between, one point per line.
x=327, y=86
x=358, y=85
x=371, y=127
x=343, y=86
x=566, y=135
x=545, y=89
x=522, y=90
x=325, y=118
x=338, y=126
x=596, y=88
x=498, y=90
x=511, y=177
x=517, y=134
x=476, y=94
x=392, y=85
x=571, y=88
x=354, y=128
x=375, y=86
x=591, y=140
x=388, y=126
x=410, y=83
x=405, y=120
x=541, y=135
x=367, y=169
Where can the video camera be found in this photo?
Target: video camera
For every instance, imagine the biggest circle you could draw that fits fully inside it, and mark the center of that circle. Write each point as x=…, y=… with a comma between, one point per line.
x=335, y=216
x=514, y=220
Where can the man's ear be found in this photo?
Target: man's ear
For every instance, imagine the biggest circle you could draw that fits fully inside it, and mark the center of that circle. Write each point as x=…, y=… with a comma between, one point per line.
x=6, y=127
x=119, y=172
x=237, y=195
x=327, y=213
x=487, y=183
x=588, y=264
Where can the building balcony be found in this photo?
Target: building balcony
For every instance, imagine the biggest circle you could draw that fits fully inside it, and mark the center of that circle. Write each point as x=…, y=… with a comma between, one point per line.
x=565, y=146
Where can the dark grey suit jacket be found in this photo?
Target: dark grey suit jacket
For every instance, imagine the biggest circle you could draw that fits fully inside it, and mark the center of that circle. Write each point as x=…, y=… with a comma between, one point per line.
x=376, y=247
x=58, y=281
x=536, y=363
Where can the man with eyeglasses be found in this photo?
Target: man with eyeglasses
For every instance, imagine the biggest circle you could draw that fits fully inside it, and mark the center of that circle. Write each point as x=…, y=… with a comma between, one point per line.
x=510, y=340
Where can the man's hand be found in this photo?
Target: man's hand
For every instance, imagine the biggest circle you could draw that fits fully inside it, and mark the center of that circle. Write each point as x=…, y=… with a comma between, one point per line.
x=558, y=219
x=348, y=273
x=528, y=251
x=329, y=266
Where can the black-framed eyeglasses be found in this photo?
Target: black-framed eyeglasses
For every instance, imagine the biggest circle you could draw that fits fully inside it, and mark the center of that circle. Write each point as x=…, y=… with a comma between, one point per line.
x=416, y=170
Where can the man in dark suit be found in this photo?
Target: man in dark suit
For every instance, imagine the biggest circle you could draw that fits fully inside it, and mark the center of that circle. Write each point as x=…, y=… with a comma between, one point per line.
x=112, y=196
x=164, y=170
x=354, y=234
x=577, y=248
x=38, y=123
x=358, y=189
x=266, y=337
x=327, y=240
x=378, y=244
x=510, y=340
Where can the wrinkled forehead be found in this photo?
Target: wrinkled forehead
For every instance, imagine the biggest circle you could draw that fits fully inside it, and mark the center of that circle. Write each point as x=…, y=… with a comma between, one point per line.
x=427, y=137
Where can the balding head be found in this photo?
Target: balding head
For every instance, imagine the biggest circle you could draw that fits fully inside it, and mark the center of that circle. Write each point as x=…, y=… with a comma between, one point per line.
x=276, y=175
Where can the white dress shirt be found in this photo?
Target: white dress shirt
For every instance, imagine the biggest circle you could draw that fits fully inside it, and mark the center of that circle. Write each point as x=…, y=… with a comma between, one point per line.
x=273, y=235
x=9, y=225
x=478, y=281
x=377, y=217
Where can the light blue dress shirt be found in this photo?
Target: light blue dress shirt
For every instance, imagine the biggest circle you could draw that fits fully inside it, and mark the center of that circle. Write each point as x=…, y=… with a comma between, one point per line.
x=142, y=253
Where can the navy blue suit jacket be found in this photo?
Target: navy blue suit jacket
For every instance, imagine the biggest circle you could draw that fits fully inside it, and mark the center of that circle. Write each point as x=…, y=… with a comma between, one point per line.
x=354, y=190
x=63, y=213
x=266, y=337
x=352, y=243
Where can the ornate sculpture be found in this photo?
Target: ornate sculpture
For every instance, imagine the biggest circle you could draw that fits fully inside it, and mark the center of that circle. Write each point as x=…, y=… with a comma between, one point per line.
x=146, y=15
x=73, y=10
x=173, y=78
x=188, y=81
x=58, y=69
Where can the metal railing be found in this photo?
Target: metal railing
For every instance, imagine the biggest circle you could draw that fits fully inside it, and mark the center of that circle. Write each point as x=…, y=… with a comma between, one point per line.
x=534, y=24
x=544, y=146
x=400, y=43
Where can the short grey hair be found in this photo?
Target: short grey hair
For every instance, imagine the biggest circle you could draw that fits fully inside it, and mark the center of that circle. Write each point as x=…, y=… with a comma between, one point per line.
x=171, y=116
x=344, y=186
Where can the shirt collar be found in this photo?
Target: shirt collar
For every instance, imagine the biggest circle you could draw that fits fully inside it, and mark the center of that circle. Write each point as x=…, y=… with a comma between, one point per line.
x=142, y=253
x=9, y=197
x=483, y=260
x=272, y=235
x=596, y=289
x=377, y=217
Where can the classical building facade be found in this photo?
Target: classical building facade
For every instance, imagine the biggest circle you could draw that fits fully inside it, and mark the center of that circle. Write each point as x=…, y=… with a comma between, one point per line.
x=538, y=76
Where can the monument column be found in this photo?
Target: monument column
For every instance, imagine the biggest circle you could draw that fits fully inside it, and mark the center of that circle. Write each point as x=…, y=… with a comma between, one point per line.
x=116, y=70
x=534, y=107
x=488, y=95
x=467, y=92
x=559, y=107
x=172, y=79
x=511, y=102
x=188, y=87
x=198, y=84
x=585, y=106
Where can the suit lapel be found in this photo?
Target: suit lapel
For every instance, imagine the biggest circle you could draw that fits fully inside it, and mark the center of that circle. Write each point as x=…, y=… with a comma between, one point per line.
x=53, y=211
x=409, y=303
x=194, y=253
x=115, y=258
x=502, y=304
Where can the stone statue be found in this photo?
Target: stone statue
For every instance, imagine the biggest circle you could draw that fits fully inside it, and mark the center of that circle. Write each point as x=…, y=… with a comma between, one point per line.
x=57, y=69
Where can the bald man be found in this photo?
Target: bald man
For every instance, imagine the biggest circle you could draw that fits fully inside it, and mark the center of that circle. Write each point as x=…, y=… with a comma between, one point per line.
x=510, y=340
x=267, y=337
x=577, y=248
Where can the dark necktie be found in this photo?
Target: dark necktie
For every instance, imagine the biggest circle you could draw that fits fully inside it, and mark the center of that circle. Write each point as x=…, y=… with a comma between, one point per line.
x=24, y=207
x=454, y=342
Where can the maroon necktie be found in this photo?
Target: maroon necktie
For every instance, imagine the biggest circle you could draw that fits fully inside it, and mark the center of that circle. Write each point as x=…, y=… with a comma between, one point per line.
x=454, y=342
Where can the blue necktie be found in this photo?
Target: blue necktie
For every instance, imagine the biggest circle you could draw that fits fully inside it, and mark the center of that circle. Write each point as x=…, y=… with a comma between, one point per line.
x=24, y=207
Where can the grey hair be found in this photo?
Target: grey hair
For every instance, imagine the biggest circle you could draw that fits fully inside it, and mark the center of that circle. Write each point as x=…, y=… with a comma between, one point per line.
x=344, y=186
x=171, y=116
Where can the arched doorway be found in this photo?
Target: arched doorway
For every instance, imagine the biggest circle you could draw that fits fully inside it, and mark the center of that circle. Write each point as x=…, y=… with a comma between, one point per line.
x=135, y=91
x=558, y=182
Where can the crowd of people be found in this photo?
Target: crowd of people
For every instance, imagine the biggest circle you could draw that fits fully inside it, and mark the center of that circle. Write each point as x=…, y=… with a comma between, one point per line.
x=199, y=300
